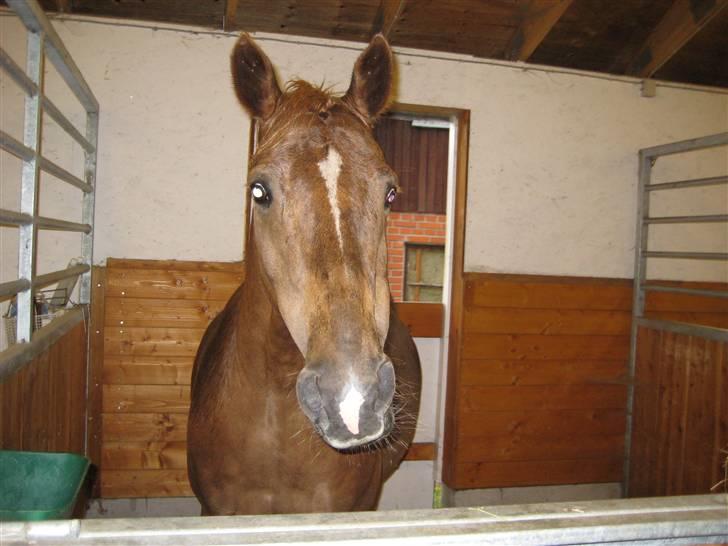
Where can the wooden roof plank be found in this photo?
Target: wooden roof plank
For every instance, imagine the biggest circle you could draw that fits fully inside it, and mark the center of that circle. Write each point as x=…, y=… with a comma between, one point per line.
x=387, y=15
x=231, y=9
x=682, y=21
x=539, y=18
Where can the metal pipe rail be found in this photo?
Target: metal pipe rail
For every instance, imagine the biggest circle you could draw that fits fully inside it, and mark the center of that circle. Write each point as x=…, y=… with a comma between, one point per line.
x=647, y=158
x=694, y=183
x=685, y=255
x=12, y=218
x=666, y=520
x=43, y=42
x=704, y=218
x=26, y=84
x=681, y=290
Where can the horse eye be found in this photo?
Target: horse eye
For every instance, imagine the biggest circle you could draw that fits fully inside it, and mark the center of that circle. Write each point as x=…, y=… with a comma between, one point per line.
x=260, y=193
x=391, y=196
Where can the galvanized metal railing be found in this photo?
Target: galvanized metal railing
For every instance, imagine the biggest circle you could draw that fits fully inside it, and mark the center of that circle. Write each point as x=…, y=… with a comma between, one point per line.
x=666, y=520
x=647, y=158
x=43, y=42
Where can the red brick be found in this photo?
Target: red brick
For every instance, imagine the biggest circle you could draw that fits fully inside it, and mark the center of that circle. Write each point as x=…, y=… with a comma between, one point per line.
x=430, y=225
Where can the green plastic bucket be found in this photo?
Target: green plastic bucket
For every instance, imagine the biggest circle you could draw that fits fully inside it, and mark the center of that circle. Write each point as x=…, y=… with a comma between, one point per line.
x=39, y=486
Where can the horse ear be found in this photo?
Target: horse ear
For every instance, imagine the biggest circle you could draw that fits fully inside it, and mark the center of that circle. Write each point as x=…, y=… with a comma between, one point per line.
x=371, y=81
x=254, y=79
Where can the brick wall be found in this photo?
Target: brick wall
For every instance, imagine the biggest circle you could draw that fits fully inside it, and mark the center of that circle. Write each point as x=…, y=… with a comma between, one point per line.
x=408, y=227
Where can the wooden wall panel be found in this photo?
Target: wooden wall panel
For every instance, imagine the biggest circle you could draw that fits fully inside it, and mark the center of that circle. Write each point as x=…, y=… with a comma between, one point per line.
x=541, y=387
x=419, y=157
x=680, y=434
x=541, y=390
x=43, y=406
x=155, y=313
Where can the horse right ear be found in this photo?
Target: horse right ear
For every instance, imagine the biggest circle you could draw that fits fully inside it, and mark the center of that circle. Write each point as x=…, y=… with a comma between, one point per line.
x=254, y=79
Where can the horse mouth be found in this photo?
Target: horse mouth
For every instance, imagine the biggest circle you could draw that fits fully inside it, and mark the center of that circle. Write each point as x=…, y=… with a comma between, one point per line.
x=349, y=443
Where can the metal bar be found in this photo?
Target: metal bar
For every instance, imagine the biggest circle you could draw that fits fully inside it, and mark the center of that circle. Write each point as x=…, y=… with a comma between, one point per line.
x=62, y=174
x=61, y=225
x=67, y=126
x=16, y=356
x=705, y=218
x=49, y=278
x=27, y=234
x=12, y=218
x=708, y=332
x=10, y=288
x=89, y=206
x=638, y=302
x=35, y=20
x=710, y=181
x=17, y=73
x=710, y=141
x=691, y=291
x=698, y=519
x=20, y=77
x=15, y=147
x=687, y=255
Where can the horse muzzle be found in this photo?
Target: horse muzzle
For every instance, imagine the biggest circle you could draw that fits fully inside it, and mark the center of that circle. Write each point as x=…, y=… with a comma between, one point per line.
x=350, y=414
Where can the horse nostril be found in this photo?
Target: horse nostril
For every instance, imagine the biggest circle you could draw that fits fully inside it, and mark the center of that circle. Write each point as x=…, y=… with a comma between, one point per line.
x=308, y=393
x=385, y=375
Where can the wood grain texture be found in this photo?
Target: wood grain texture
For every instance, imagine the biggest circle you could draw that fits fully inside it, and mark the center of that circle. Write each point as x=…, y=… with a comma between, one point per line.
x=680, y=431
x=529, y=473
x=422, y=319
x=541, y=380
x=146, y=399
x=542, y=372
x=43, y=406
x=165, y=284
x=153, y=312
x=682, y=21
x=538, y=19
x=145, y=483
x=147, y=370
x=528, y=346
x=144, y=427
x=482, y=320
x=534, y=292
x=567, y=425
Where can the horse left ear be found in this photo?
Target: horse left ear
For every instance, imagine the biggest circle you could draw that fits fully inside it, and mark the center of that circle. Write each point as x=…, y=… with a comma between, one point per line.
x=371, y=81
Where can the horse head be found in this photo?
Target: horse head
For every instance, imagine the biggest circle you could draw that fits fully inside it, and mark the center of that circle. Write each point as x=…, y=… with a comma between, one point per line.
x=320, y=191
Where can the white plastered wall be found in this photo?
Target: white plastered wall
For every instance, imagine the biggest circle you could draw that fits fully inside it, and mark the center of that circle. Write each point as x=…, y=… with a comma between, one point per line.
x=552, y=159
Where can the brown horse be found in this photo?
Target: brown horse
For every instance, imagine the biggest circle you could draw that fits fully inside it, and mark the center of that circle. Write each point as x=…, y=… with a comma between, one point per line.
x=313, y=316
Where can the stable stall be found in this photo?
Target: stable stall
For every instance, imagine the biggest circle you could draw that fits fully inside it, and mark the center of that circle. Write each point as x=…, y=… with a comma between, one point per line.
x=565, y=356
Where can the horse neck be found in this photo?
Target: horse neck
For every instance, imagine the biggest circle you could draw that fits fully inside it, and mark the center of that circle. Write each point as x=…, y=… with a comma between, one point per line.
x=277, y=356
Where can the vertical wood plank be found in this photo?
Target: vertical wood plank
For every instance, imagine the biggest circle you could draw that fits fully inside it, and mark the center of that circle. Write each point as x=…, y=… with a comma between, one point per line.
x=96, y=364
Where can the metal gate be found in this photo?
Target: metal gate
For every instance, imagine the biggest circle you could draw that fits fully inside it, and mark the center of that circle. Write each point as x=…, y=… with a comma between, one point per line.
x=44, y=43
x=643, y=286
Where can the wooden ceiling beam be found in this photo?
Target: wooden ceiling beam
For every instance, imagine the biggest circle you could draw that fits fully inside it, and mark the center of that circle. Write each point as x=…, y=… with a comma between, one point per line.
x=682, y=21
x=386, y=16
x=538, y=20
x=231, y=11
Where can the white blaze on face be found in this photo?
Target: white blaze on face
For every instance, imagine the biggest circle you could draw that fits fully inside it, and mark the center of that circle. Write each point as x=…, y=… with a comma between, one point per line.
x=330, y=167
x=349, y=409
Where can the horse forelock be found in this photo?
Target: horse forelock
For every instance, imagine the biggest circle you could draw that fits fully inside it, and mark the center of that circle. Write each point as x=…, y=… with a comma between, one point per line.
x=304, y=105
